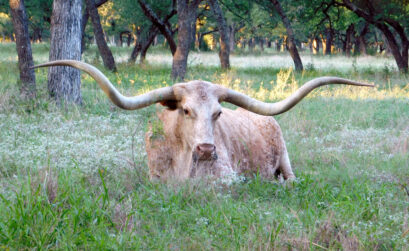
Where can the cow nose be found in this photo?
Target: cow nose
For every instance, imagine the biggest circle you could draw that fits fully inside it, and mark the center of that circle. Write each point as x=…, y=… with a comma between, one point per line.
x=205, y=151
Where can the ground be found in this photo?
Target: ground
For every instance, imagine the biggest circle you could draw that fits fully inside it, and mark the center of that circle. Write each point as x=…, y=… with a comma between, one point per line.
x=76, y=177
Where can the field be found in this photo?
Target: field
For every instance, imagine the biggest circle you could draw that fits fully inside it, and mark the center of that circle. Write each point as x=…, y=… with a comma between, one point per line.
x=76, y=177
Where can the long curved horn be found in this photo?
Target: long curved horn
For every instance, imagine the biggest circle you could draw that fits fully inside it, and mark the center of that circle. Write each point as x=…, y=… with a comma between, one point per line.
x=270, y=109
x=127, y=103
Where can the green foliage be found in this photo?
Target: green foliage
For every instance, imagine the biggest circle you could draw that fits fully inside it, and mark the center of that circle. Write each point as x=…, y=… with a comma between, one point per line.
x=257, y=19
x=6, y=26
x=38, y=13
x=132, y=17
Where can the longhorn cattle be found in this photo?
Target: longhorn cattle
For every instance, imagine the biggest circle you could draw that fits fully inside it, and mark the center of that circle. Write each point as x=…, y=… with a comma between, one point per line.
x=200, y=138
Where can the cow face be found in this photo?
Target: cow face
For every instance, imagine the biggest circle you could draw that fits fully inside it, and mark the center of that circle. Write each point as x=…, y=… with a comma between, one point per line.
x=198, y=110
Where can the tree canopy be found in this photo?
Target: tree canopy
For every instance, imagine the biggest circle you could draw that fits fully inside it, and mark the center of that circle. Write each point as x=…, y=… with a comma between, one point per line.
x=322, y=26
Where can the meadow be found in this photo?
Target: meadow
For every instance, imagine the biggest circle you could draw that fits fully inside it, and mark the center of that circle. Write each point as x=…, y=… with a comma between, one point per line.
x=75, y=177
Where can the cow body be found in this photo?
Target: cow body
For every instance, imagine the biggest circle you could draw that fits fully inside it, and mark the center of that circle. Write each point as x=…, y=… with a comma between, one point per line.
x=245, y=143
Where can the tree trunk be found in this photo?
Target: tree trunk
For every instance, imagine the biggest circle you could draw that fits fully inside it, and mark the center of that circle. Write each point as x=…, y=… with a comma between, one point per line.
x=104, y=50
x=348, y=44
x=200, y=44
x=193, y=34
x=84, y=21
x=329, y=34
x=23, y=46
x=129, y=39
x=278, y=45
x=121, y=41
x=143, y=43
x=37, y=37
x=381, y=48
x=64, y=83
x=310, y=42
x=401, y=57
x=224, y=52
x=356, y=45
x=383, y=24
x=187, y=14
x=148, y=42
x=155, y=40
x=392, y=45
x=232, y=38
x=340, y=38
x=268, y=43
x=137, y=47
x=40, y=35
x=250, y=43
x=290, y=39
x=317, y=45
x=362, y=40
x=261, y=43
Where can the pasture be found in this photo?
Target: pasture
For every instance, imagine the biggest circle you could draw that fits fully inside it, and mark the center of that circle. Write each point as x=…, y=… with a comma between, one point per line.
x=76, y=177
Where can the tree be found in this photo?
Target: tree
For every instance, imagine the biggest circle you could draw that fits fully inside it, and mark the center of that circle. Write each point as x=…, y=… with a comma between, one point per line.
x=39, y=13
x=23, y=46
x=224, y=52
x=238, y=16
x=348, y=40
x=361, y=41
x=84, y=21
x=317, y=19
x=386, y=16
x=329, y=35
x=290, y=41
x=161, y=23
x=143, y=43
x=292, y=48
x=187, y=14
x=147, y=43
x=104, y=50
x=147, y=19
x=64, y=83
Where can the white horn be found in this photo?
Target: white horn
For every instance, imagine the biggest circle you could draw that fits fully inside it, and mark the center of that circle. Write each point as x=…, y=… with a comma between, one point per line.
x=270, y=109
x=127, y=103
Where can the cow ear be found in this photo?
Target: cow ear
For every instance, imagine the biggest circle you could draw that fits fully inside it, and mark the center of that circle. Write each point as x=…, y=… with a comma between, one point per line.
x=170, y=104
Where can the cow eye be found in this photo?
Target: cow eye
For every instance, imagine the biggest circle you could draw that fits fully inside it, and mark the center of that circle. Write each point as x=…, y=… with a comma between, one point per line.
x=186, y=111
x=217, y=114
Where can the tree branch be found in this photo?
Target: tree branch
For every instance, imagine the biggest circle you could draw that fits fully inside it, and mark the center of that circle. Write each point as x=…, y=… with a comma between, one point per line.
x=162, y=26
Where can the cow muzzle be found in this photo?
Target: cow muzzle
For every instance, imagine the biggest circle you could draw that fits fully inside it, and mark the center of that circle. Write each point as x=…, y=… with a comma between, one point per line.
x=205, y=152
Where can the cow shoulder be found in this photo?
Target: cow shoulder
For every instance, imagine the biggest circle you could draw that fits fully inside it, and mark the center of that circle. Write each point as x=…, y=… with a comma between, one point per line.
x=160, y=142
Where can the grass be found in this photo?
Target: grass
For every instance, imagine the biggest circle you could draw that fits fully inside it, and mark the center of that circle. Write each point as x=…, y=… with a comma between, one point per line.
x=76, y=177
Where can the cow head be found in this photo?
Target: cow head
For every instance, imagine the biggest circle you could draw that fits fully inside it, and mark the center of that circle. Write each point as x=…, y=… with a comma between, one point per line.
x=198, y=104
x=198, y=107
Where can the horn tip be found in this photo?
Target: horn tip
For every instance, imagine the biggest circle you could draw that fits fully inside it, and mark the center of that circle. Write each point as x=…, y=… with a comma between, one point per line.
x=368, y=85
